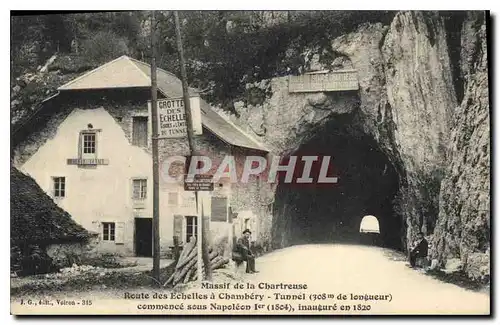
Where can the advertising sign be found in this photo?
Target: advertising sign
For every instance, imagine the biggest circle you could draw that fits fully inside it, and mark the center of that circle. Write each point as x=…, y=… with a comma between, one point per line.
x=172, y=121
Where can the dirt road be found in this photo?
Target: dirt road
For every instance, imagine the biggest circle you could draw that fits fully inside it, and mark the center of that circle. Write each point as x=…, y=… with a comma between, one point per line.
x=340, y=279
x=368, y=270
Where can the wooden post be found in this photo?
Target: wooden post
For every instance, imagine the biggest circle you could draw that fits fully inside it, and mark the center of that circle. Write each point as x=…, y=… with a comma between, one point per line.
x=154, y=141
x=192, y=147
x=199, y=231
x=177, y=249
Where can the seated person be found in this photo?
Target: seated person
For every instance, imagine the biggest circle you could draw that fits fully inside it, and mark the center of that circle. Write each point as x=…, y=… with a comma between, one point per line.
x=244, y=253
x=420, y=250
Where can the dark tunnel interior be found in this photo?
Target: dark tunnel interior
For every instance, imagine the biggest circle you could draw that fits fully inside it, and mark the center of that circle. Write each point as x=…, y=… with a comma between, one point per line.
x=328, y=213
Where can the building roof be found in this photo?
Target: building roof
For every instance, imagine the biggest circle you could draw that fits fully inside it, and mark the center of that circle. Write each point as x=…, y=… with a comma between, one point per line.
x=35, y=218
x=125, y=72
x=225, y=130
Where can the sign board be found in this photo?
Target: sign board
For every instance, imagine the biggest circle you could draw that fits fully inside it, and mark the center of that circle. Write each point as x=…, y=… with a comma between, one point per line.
x=80, y=161
x=172, y=117
x=199, y=183
x=341, y=80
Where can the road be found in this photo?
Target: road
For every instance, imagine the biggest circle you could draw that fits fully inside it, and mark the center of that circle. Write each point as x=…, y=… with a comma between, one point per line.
x=330, y=269
x=368, y=270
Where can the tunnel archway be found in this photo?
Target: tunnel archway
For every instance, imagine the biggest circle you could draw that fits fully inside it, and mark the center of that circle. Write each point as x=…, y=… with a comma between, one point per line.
x=329, y=213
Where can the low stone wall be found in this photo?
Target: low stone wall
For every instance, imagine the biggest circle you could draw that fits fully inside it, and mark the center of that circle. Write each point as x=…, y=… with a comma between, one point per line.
x=66, y=254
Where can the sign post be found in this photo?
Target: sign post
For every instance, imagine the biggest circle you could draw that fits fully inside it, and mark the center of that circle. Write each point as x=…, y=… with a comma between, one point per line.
x=156, y=176
x=203, y=250
x=200, y=183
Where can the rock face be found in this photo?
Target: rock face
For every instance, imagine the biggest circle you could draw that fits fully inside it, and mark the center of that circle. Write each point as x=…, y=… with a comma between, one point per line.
x=421, y=95
x=407, y=103
x=285, y=120
x=463, y=230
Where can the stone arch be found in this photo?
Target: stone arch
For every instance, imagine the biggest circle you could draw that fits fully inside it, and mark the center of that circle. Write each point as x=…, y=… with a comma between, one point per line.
x=329, y=213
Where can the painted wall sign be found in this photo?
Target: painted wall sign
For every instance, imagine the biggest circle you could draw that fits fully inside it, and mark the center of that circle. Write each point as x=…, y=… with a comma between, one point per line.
x=319, y=82
x=80, y=161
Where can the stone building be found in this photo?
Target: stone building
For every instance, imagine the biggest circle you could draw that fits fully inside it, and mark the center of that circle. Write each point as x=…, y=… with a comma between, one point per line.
x=89, y=148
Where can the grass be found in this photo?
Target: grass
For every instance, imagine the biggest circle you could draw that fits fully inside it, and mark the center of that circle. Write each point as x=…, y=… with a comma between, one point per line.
x=90, y=281
x=460, y=279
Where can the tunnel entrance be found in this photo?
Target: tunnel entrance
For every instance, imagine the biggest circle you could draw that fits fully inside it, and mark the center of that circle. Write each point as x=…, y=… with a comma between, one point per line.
x=329, y=213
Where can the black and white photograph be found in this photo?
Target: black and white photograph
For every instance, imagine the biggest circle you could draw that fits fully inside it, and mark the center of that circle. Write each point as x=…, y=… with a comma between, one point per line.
x=251, y=162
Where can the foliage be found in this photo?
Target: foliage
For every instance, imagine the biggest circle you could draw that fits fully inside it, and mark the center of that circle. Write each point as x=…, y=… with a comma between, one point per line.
x=37, y=37
x=103, y=47
x=40, y=285
x=461, y=279
x=224, y=49
x=32, y=259
x=104, y=260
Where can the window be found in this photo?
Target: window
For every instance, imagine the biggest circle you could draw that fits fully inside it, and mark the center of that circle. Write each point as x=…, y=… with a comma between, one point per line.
x=108, y=231
x=191, y=227
x=89, y=143
x=140, y=189
x=140, y=131
x=173, y=198
x=59, y=186
x=88, y=147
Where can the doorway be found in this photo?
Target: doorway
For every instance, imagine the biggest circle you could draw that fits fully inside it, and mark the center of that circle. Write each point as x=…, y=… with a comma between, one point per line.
x=144, y=237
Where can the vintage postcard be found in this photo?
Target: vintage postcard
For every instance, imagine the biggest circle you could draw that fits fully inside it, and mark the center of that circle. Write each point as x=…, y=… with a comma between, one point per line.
x=250, y=163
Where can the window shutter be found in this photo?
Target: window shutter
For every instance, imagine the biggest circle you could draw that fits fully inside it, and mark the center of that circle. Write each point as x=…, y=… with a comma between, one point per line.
x=80, y=140
x=96, y=225
x=178, y=226
x=219, y=209
x=119, y=232
x=140, y=131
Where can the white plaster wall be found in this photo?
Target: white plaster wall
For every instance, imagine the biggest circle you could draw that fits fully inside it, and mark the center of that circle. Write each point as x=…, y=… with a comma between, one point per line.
x=103, y=193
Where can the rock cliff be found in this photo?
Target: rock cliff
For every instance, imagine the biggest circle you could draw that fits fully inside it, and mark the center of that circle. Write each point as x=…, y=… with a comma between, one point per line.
x=463, y=230
x=407, y=103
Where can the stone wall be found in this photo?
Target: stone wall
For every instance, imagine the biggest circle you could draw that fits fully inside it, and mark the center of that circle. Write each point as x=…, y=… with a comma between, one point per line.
x=64, y=253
